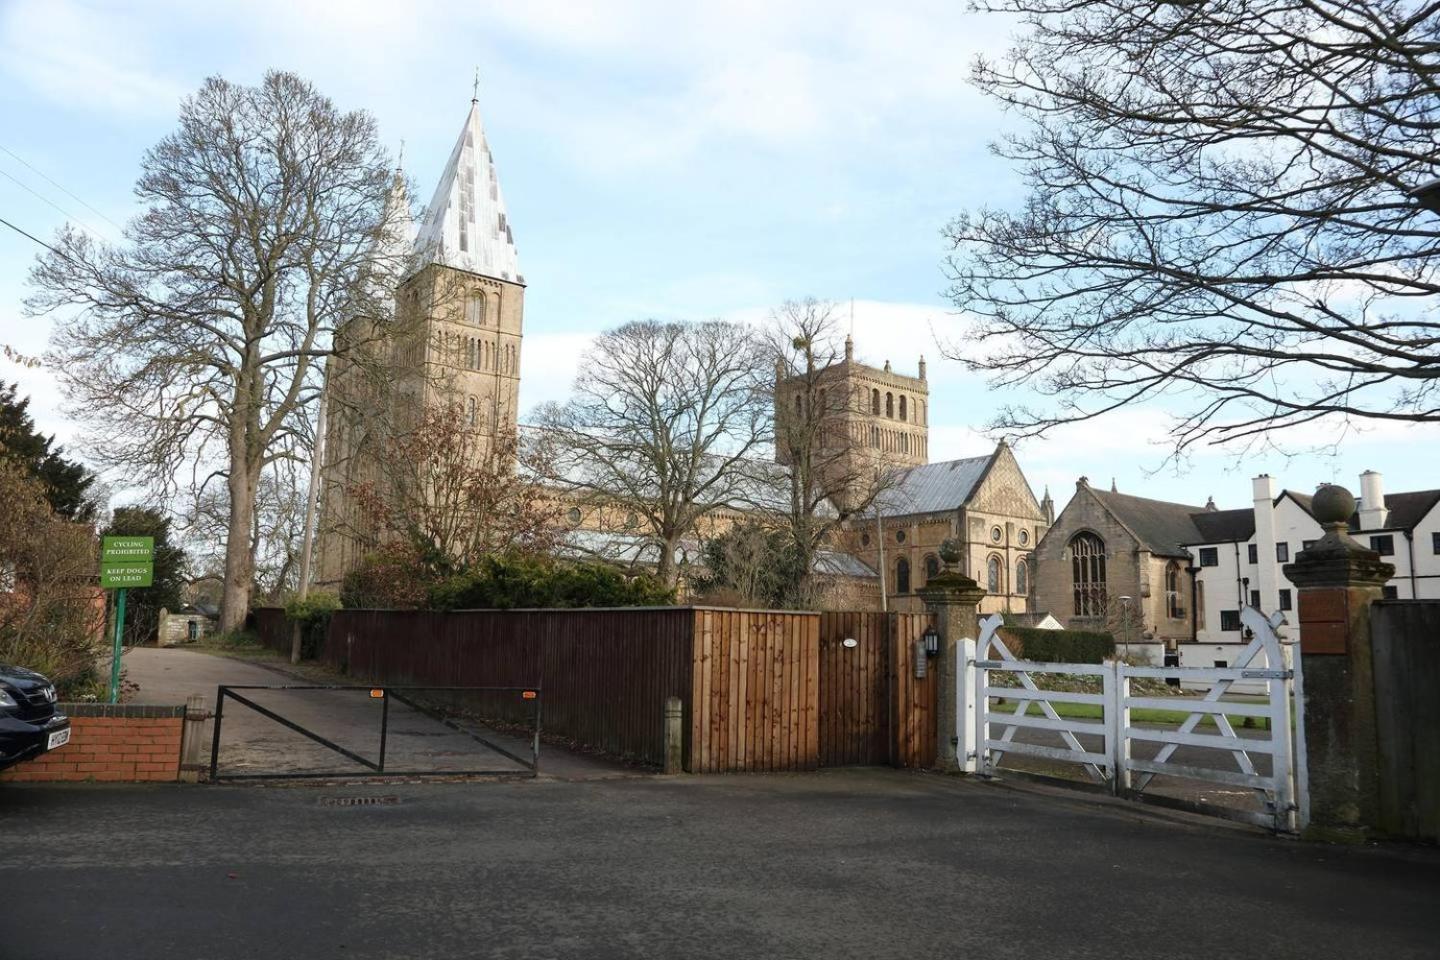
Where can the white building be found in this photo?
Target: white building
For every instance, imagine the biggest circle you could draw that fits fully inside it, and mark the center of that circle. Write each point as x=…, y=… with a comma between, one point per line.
x=1241, y=555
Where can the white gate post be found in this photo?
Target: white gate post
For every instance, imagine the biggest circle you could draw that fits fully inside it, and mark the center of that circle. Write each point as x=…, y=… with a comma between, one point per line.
x=966, y=718
x=1116, y=683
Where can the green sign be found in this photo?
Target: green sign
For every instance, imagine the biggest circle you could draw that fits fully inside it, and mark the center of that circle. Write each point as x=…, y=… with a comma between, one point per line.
x=127, y=562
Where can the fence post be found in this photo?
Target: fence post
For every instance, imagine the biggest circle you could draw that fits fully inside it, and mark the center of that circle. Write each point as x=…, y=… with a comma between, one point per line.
x=1338, y=580
x=191, y=736
x=674, y=739
x=1116, y=684
x=951, y=598
x=965, y=705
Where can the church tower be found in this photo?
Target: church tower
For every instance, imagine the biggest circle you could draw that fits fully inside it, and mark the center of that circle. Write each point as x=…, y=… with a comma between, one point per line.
x=459, y=305
x=468, y=291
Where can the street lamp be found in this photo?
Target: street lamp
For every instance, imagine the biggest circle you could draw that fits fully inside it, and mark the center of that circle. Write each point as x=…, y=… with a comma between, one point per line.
x=1427, y=195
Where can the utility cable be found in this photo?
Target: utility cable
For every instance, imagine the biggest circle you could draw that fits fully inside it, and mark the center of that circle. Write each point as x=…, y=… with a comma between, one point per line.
x=57, y=186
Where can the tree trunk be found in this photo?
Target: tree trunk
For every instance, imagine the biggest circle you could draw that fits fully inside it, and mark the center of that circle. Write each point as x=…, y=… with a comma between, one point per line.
x=666, y=570
x=239, y=561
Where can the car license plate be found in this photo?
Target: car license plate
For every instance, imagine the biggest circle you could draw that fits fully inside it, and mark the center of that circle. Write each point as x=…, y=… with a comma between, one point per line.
x=58, y=739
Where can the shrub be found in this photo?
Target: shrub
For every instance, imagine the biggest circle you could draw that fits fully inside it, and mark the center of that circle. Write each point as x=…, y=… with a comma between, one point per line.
x=312, y=615
x=1059, y=646
x=535, y=582
x=397, y=576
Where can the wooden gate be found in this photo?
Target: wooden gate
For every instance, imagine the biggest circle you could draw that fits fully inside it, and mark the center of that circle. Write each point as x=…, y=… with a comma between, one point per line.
x=873, y=710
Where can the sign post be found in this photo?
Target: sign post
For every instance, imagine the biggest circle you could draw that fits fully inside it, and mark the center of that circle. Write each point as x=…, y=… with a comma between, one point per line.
x=124, y=562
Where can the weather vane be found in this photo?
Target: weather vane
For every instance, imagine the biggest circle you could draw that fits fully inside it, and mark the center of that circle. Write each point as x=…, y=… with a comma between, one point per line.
x=475, y=93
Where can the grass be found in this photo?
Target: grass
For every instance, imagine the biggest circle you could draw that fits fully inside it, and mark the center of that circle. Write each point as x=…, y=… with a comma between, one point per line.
x=1094, y=711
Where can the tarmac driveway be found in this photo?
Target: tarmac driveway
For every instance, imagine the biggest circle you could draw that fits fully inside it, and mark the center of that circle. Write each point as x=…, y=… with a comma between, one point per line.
x=252, y=743
x=871, y=864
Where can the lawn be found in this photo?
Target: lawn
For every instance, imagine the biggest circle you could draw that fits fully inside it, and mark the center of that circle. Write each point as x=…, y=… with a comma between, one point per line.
x=1094, y=711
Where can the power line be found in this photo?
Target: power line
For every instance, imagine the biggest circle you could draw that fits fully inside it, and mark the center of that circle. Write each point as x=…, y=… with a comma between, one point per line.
x=67, y=214
x=31, y=236
x=57, y=186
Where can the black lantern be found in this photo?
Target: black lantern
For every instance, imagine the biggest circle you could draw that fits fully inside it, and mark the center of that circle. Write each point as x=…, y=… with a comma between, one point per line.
x=932, y=642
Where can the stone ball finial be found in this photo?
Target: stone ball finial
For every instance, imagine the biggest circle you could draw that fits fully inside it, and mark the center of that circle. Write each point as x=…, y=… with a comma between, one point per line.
x=1332, y=504
x=950, y=552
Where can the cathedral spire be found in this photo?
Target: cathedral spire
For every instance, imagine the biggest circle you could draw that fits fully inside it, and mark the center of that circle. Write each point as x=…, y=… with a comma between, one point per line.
x=466, y=226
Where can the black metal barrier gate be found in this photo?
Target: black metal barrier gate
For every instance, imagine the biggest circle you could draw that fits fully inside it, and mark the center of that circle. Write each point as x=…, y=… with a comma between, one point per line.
x=374, y=768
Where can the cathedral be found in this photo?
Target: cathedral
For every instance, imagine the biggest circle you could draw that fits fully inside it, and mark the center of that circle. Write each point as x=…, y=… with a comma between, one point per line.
x=459, y=305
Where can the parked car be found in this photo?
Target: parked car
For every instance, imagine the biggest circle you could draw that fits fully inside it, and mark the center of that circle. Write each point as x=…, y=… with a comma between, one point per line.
x=29, y=722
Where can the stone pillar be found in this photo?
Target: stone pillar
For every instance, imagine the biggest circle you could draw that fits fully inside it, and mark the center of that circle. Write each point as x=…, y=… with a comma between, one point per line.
x=1338, y=579
x=952, y=598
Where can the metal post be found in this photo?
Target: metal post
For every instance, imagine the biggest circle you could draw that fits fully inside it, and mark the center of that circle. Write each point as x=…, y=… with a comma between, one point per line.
x=965, y=705
x=384, y=725
x=215, y=739
x=535, y=744
x=880, y=540
x=119, y=640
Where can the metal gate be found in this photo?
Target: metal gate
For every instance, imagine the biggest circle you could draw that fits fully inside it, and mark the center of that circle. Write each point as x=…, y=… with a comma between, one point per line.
x=1102, y=743
x=514, y=707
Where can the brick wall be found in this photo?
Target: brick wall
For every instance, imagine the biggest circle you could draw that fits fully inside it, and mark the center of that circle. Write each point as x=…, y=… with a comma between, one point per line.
x=111, y=743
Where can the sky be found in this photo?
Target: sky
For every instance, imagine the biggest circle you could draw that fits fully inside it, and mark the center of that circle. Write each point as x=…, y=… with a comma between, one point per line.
x=658, y=159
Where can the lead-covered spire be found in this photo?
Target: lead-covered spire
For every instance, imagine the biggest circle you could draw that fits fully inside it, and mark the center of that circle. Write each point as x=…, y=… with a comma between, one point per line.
x=467, y=226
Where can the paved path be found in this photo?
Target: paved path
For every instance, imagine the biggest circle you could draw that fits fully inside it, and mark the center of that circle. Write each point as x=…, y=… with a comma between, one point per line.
x=252, y=743
x=847, y=864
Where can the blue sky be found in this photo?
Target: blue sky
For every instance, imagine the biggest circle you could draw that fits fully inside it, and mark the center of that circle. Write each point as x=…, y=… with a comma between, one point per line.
x=658, y=159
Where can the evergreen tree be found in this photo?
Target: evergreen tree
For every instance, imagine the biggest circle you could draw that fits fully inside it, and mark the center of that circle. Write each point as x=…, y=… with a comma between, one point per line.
x=66, y=483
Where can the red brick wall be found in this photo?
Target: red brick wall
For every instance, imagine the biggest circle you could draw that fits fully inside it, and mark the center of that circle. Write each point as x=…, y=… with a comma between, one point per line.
x=121, y=744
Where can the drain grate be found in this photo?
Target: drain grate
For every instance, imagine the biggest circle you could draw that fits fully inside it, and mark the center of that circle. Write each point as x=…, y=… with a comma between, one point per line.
x=358, y=801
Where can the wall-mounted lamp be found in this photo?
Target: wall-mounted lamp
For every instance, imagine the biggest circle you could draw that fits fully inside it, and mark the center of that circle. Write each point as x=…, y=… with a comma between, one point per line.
x=932, y=642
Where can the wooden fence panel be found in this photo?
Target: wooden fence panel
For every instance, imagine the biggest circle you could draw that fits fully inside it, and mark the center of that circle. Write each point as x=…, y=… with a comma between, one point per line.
x=854, y=695
x=605, y=674
x=914, y=699
x=754, y=691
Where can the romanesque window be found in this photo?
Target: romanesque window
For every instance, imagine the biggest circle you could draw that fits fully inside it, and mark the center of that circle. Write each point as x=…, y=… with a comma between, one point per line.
x=475, y=310
x=573, y=515
x=932, y=567
x=890, y=405
x=902, y=406
x=875, y=437
x=1174, y=600
x=875, y=402
x=993, y=580
x=1022, y=578
x=470, y=410
x=799, y=407
x=902, y=575
x=1087, y=568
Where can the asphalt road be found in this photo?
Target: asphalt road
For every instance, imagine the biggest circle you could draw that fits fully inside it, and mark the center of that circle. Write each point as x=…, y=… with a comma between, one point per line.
x=847, y=863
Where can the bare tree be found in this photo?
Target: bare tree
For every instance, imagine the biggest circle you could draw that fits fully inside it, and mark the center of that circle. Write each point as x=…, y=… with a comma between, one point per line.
x=1217, y=214
x=829, y=470
x=457, y=494
x=663, y=419
x=194, y=352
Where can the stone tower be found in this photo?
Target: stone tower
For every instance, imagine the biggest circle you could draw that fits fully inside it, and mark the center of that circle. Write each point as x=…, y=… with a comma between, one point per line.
x=459, y=306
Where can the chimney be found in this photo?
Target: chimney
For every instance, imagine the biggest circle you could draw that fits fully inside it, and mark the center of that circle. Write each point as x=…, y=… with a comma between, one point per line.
x=922, y=368
x=849, y=348
x=1267, y=570
x=1373, y=513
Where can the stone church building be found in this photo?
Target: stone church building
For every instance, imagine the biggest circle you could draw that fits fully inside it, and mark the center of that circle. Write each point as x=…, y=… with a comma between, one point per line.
x=459, y=304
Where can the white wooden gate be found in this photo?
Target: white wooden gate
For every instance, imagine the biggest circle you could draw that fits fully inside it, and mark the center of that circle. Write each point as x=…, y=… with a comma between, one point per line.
x=1102, y=746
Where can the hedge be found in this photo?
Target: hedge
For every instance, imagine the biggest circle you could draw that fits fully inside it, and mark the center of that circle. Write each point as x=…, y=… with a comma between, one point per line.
x=1059, y=646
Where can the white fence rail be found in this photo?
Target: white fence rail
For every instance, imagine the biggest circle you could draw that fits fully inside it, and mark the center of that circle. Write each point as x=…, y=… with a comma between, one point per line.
x=1102, y=747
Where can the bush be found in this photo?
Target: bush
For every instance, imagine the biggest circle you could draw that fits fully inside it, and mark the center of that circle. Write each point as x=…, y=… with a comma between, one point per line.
x=312, y=615
x=534, y=582
x=1059, y=646
x=397, y=576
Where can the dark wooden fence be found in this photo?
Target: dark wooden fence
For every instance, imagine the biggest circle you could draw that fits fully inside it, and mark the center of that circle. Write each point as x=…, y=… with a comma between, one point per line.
x=761, y=690
x=272, y=629
x=1406, y=638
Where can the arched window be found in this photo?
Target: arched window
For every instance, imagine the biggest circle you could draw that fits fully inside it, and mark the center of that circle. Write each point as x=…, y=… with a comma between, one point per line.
x=823, y=408
x=902, y=406
x=875, y=437
x=470, y=411
x=1087, y=569
x=932, y=567
x=890, y=405
x=875, y=402
x=902, y=575
x=994, y=582
x=1022, y=578
x=799, y=407
x=1174, y=600
x=475, y=309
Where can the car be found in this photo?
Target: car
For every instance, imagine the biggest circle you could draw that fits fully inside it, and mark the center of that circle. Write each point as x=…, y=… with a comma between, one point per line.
x=30, y=724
